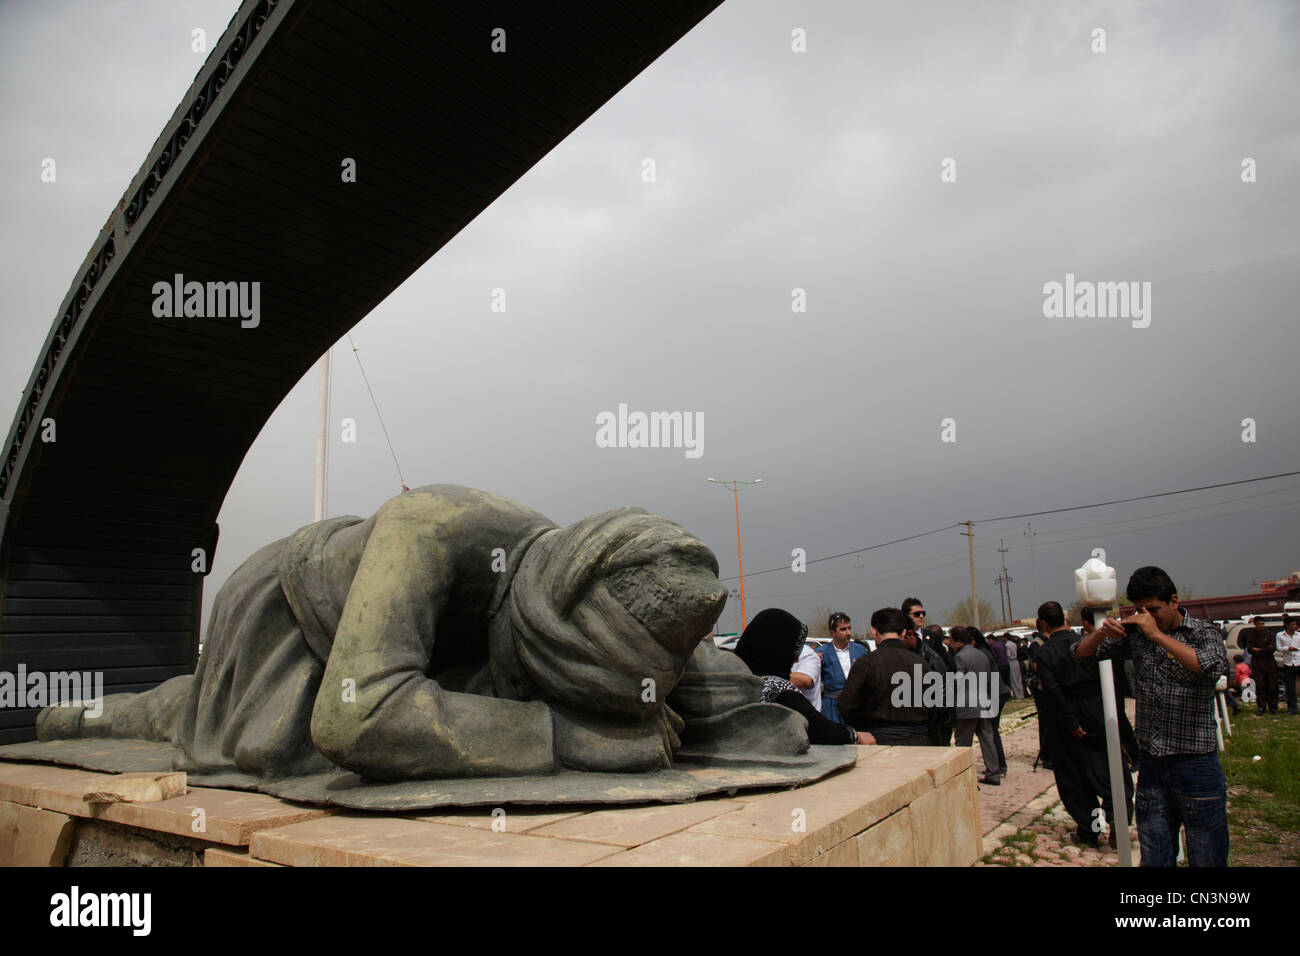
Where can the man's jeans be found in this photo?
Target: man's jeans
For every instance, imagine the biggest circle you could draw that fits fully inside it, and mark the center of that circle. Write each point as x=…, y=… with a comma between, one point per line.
x=1185, y=790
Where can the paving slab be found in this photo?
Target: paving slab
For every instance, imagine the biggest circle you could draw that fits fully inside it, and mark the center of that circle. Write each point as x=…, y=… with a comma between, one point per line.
x=690, y=848
x=633, y=826
x=891, y=842
x=946, y=824
x=135, y=788
x=500, y=819
x=351, y=840
x=33, y=837
x=846, y=854
x=218, y=816
x=815, y=819
x=218, y=856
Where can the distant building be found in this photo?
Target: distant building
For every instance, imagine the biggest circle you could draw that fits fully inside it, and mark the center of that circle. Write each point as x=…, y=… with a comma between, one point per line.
x=1268, y=600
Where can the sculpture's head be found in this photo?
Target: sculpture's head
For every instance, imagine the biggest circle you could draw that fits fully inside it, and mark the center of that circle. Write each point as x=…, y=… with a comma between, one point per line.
x=596, y=609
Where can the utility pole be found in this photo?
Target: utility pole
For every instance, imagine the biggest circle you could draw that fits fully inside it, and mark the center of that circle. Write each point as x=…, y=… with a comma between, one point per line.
x=1006, y=579
x=322, y=438
x=1033, y=558
x=974, y=591
x=740, y=561
x=998, y=582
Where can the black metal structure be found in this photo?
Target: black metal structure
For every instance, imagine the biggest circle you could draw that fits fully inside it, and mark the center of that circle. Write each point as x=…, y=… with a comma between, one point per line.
x=151, y=417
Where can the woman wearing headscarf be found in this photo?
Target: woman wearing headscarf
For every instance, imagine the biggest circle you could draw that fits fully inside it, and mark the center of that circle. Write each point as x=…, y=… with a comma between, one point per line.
x=769, y=647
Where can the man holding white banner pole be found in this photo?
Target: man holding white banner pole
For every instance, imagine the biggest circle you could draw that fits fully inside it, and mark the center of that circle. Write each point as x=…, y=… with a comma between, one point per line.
x=1076, y=724
x=1178, y=660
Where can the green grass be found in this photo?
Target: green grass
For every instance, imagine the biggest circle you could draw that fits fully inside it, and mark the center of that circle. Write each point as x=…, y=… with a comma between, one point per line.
x=1265, y=818
x=1022, y=841
x=1014, y=706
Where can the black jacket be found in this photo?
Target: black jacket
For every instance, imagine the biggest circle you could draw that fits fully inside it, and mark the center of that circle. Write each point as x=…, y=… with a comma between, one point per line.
x=866, y=701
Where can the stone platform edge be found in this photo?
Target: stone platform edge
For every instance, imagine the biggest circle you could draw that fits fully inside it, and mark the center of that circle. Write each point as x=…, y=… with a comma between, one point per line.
x=897, y=806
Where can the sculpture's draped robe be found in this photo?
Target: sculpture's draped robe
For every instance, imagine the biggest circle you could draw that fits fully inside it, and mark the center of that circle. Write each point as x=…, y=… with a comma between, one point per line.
x=270, y=640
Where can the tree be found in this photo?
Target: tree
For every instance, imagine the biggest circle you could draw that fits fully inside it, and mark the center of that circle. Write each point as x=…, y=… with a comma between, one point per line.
x=960, y=616
x=817, y=625
x=1072, y=612
x=1072, y=615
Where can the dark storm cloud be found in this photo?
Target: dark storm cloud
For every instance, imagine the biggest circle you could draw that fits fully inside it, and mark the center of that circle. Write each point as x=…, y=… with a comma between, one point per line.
x=777, y=170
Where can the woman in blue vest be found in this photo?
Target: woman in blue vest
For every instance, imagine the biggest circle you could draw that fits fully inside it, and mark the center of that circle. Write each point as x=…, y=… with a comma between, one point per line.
x=837, y=659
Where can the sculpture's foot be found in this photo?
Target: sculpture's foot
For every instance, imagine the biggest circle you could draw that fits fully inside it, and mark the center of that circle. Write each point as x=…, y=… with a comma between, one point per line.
x=151, y=715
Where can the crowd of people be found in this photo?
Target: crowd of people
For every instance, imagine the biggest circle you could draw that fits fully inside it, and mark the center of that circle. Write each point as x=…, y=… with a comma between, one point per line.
x=1256, y=666
x=1169, y=661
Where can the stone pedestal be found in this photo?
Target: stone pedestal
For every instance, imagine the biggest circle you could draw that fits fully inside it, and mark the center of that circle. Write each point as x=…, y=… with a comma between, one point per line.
x=899, y=806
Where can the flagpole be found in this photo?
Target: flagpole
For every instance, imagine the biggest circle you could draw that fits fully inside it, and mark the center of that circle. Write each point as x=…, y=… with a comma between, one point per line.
x=322, y=436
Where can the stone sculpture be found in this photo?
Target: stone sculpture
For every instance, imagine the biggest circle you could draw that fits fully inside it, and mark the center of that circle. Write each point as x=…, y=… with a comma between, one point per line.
x=456, y=633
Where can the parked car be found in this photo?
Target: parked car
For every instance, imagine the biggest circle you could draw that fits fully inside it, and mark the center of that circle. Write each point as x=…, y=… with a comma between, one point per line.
x=1236, y=633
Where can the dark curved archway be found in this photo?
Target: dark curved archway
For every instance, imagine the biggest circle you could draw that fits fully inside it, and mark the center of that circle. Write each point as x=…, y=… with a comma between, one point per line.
x=151, y=415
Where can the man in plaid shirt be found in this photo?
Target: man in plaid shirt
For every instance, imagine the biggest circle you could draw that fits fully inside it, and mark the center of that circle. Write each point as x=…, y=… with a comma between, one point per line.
x=1178, y=660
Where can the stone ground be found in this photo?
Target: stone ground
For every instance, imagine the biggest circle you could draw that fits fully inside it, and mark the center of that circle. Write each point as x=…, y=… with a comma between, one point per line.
x=1023, y=821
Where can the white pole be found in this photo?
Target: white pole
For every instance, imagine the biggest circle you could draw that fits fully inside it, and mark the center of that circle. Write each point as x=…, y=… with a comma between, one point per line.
x=1221, y=703
x=322, y=435
x=1107, y=668
x=1033, y=559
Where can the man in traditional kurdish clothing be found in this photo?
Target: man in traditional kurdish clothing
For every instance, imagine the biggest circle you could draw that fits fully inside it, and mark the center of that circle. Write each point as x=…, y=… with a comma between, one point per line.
x=1073, y=723
x=1262, y=643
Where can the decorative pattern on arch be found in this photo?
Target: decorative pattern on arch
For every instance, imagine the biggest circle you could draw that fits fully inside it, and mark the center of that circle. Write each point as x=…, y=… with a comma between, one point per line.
x=199, y=107
x=45, y=371
x=234, y=52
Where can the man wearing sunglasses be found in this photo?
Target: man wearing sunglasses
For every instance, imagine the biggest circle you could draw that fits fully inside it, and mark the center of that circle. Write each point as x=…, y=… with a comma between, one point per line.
x=930, y=645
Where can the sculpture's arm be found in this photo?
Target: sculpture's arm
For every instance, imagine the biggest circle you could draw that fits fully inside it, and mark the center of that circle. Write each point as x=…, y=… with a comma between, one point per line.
x=376, y=712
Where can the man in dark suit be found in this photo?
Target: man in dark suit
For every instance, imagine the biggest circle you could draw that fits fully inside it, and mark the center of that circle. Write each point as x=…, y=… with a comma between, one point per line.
x=1261, y=643
x=883, y=690
x=1073, y=726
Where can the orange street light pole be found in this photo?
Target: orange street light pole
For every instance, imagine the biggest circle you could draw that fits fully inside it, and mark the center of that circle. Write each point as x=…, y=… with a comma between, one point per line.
x=740, y=561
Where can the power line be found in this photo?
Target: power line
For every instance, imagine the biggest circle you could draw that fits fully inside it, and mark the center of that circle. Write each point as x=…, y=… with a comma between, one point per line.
x=1030, y=514
x=1162, y=494
x=957, y=557
x=357, y=355
x=845, y=554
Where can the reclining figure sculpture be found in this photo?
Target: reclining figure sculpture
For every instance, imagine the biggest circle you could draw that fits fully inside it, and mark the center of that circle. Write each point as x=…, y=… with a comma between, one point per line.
x=456, y=633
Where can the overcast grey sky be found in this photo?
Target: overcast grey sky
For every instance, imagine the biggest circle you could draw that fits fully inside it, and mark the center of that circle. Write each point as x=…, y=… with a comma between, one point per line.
x=777, y=170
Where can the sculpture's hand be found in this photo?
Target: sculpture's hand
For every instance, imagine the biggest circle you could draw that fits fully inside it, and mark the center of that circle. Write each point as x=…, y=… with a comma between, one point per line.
x=586, y=741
